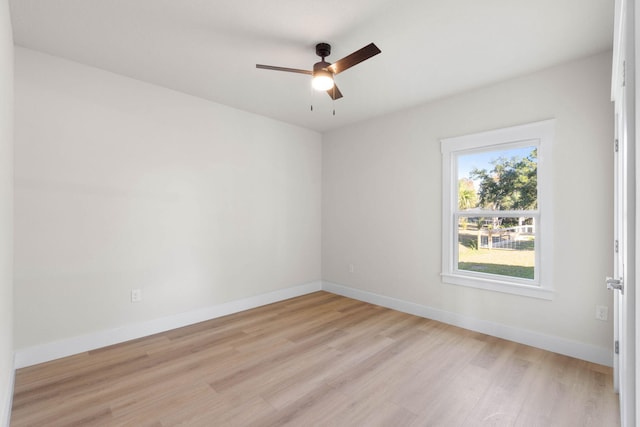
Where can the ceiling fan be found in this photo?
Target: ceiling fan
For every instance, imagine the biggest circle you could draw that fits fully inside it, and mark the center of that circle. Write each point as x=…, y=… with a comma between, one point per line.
x=323, y=71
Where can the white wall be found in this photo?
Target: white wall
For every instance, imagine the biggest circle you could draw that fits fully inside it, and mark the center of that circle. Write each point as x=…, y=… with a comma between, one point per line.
x=120, y=184
x=6, y=213
x=382, y=201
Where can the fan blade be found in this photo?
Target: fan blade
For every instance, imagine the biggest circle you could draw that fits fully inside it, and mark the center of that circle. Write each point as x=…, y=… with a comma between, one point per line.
x=355, y=58
x=290, y=70
x=334, y=93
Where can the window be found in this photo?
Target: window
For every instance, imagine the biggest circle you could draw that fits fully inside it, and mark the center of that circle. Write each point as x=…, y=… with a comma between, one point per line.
x=496, y=218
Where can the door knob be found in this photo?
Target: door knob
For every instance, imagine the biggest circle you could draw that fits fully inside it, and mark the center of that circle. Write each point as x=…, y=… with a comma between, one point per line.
x=614, y=283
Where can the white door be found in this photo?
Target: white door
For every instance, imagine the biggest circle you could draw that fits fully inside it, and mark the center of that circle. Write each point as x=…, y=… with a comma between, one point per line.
x=623, y=281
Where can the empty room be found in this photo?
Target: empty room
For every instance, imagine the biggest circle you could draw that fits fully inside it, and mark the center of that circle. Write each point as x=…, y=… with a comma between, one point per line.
x=338, y=213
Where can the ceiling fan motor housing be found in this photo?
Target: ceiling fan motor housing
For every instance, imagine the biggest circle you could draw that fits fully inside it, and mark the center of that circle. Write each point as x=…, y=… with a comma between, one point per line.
x=322, y=65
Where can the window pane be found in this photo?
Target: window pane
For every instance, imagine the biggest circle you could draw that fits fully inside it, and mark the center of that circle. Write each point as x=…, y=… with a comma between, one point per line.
x=499, y=179
x=497, y=245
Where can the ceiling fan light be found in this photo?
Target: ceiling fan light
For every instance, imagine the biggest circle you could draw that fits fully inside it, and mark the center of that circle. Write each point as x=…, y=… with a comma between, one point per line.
x=322, y=80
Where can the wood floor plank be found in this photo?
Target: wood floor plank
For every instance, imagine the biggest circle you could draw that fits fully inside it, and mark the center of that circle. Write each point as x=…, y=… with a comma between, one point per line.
x=318, y=359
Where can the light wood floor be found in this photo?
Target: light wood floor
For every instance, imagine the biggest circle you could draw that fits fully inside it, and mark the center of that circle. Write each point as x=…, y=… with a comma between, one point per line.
x=320, y=359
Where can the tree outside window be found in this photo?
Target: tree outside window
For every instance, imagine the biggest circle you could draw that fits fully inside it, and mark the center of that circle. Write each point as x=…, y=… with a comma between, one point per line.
x=501, y=180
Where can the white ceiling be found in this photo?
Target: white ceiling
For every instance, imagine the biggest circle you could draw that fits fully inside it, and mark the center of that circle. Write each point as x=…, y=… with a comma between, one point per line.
x=430, y=48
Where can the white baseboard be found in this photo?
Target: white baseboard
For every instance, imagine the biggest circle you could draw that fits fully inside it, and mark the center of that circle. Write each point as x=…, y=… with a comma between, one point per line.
x=67, y=347
x=588, y=352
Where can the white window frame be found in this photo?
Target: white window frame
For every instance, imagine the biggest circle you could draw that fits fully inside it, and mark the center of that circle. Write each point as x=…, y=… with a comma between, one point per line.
x=538, y=134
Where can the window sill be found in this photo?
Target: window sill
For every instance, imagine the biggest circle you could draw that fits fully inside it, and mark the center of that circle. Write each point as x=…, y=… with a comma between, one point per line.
x=498, y=286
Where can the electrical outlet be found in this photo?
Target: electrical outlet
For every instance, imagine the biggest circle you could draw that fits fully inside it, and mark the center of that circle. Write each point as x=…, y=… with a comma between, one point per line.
x=351, y=268
x=136, y=295
x=602, y=312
